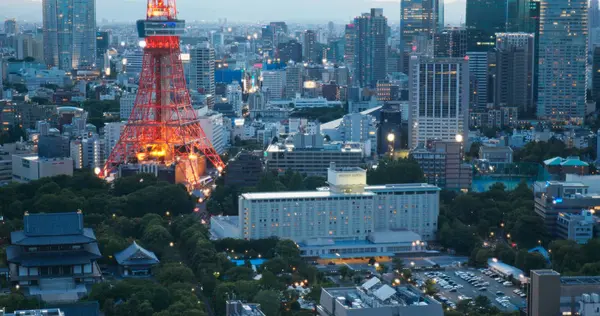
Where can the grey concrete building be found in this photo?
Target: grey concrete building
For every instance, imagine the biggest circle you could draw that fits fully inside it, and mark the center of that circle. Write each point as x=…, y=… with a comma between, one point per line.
x=374, y=297
x=499, y=154
x=554, y=197
x=442, y=165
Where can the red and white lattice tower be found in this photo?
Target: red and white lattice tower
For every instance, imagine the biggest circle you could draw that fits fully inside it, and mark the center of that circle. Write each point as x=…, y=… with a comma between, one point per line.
x=163, y=128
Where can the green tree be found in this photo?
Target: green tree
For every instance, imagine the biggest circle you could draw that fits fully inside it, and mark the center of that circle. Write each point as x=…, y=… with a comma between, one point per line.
x=397, y=264
x=287, y=249
x=395, y=171
x=296, y=183
x=344, y=271
x=430, y=288
x=238, y=273
x=174, y=273
x=269, y=302
x=528, y=230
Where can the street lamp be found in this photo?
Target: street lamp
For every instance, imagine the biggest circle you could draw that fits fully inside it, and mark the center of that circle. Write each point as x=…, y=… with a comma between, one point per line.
x=391, y=138
x=459, y=138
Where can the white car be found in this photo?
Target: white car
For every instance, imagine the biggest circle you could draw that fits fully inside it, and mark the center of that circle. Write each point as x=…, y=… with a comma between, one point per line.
x=507, y=283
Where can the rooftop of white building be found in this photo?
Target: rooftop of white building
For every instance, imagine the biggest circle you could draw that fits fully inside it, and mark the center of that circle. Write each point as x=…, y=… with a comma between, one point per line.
x=374, y=294
x=299, y=195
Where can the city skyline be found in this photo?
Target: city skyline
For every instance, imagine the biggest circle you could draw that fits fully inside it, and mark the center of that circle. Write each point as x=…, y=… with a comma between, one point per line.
x=339, y=11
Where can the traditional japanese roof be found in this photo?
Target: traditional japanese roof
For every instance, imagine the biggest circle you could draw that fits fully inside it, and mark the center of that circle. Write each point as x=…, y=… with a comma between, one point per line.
x=574, y=163
x=136, y=255
x=556, y=161
x=85, y=255
x=53, y=229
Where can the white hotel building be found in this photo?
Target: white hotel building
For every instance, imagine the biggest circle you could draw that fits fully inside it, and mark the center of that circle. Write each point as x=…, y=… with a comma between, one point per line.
x=348, y=219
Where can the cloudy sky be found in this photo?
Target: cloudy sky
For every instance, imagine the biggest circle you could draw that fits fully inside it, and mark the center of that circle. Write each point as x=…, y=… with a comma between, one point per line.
x=238, y=10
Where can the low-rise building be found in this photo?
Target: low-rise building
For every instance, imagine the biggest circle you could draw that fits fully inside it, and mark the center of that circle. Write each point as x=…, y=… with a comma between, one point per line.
x=375, y=297
x=309, y=155
x=136, y=261
x=553, y=294
x=497, y=154
x=443, y=166
x=244, y=170
x=554, y=197
x=52, y=252
x=30, y=167
x=577, y=227
x=237, y=308
x=589, y=305
x=559, y=167
x=6, y=159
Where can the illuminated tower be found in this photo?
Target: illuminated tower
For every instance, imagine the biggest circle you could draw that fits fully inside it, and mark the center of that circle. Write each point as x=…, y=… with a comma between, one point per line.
x=163, y=130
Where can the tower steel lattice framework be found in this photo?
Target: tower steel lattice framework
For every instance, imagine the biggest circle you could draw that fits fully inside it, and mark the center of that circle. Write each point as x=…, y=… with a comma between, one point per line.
x=163, y=128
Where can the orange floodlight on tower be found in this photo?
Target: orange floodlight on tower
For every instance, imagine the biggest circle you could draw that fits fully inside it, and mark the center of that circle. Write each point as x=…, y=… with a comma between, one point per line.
x=163, y=129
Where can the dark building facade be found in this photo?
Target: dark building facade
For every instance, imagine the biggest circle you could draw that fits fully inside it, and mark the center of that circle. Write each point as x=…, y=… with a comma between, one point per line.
x=370, y=49
x=53, y=147
x=596, y=74
x=244, y=170
x=289, y=51
x=102, y=42
x=450, y=42
x=484, y=19
x=390, y=122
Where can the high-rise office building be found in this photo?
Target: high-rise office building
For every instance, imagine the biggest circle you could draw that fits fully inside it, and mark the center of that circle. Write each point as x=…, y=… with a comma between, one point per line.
x=596, y=74
x=419, y=17
x=293, y=80
x=370, y=50
x=485, y=18
x=102, y=42
x=202, y=71
x=479, y=73
x=310, y=47
x=69, y=33
x=439, y=99
x=350, y=39
x=11, y=27
x=514, y=71
x=594, y=14
x=289, y=51
x=234, y=97
x=562, y=59
x=450, y=42
x=112, y=133
x=273, y=84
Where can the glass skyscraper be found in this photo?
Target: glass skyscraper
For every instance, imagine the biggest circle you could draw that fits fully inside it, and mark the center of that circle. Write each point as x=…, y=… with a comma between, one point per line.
x=70, y=33
x=419, y=17
x=370, y=48
x=485, y=18
x=562, y=59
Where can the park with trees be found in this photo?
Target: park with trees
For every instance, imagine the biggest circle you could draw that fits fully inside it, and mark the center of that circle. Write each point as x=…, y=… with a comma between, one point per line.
x=197, y=275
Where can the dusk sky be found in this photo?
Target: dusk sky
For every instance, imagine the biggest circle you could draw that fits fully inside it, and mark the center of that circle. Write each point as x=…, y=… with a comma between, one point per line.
x=339, y=11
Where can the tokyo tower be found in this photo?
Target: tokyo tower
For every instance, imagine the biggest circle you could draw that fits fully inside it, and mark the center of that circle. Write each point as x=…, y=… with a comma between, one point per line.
x=163, y=130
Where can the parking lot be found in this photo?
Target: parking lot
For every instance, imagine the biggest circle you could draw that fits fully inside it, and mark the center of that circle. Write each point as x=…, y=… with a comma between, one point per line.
x=458, y=284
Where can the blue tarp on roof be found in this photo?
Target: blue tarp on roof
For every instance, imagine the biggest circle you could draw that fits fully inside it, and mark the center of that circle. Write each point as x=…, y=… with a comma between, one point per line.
x=541, y=250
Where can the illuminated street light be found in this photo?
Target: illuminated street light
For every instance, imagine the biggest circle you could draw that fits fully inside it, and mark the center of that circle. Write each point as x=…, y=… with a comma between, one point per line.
x=459, y=138
x=391, y=137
